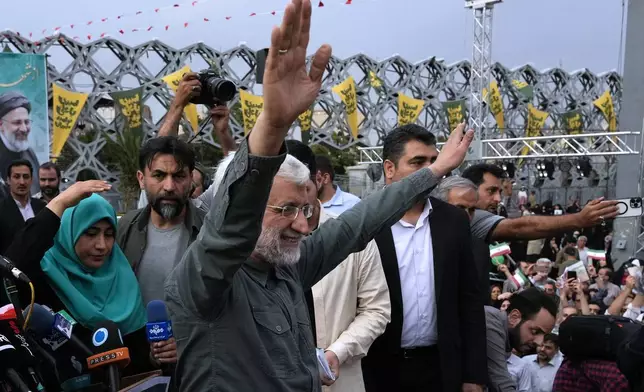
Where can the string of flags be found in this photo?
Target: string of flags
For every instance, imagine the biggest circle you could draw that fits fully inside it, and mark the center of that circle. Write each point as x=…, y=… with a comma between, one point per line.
x=77, y=28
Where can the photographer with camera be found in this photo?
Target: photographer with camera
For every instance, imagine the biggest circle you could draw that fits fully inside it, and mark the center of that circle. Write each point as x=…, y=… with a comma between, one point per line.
x=214, y=95
x=218, y=91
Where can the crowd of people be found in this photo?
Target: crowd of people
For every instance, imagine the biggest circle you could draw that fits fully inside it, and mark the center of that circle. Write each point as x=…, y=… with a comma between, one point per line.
x=275, y=279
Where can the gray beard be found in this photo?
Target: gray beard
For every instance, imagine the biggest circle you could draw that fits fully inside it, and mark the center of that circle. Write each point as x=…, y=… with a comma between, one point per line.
x=268, y=247
x=167, y=211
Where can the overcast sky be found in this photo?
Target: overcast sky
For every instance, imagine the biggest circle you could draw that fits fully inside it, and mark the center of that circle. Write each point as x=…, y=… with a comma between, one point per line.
x=547, y=33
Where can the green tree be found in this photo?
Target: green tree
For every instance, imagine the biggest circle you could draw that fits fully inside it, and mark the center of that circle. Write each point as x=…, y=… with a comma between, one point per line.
x=340, y=159
x=122, y=153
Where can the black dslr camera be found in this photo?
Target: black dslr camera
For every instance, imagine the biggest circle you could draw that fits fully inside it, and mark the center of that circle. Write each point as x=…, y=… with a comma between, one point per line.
x=214, y=89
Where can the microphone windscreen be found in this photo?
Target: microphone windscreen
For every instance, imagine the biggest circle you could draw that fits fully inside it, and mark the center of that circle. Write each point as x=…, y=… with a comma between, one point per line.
x=108, y=347
x=157, y=311
x=41, y=322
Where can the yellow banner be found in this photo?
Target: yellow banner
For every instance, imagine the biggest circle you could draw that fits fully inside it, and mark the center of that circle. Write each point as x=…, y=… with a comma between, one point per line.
x=605, y=105
x=536, y=121
x=190, y=111
x=67, y=108
x=496, y=105
x=374, y=80
x=305, y=120
x=252, y=106
x=347, y=92
x=408, y=109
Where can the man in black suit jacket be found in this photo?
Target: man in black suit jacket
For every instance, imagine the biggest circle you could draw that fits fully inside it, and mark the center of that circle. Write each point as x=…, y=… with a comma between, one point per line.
x=436, y=339
x=19, y=206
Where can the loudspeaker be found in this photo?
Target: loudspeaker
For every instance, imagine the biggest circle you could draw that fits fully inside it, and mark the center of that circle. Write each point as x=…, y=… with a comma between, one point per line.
x=260, y=57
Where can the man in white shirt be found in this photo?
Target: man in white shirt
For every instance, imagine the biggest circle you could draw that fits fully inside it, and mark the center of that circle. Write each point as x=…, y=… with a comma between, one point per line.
x=545, y=363
x=350, y=305
x=583, y=250
x=436, y=338
x=19, y=206
x=352, y=309
x=521, y=374
x=333, y=199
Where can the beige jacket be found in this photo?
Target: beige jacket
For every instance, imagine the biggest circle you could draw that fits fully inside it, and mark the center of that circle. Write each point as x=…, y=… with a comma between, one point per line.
x=352, y=309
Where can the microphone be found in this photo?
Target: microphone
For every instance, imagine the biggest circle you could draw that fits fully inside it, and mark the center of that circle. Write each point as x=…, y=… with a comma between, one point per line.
x=51, y=330
x=7, y=266
x=109, y=352
x=158, y=327
x=9, y=358
x=10, y=329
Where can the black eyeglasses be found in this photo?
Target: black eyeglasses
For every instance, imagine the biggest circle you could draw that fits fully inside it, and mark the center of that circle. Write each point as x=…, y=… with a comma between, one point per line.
x=291, y=212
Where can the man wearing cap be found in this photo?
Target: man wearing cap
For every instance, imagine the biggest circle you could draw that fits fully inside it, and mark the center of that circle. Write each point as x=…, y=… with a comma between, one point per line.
x=15, y=126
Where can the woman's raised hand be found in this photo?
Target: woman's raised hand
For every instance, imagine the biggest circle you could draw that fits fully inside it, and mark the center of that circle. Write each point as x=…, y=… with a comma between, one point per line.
x=75, y=193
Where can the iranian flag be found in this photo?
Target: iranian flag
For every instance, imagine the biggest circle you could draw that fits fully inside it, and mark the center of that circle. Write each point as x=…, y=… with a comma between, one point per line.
x=499, y=250
x=596, y=254
x=520, y=280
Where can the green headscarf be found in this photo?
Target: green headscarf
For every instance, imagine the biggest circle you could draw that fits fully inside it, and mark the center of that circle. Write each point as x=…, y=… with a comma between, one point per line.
x=108, y=293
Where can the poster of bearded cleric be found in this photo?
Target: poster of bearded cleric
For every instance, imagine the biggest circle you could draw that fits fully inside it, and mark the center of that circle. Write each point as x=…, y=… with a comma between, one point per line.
x=24, y=120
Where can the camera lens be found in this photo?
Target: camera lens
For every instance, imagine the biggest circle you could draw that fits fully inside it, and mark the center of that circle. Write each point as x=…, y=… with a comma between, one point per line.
x=224, y=90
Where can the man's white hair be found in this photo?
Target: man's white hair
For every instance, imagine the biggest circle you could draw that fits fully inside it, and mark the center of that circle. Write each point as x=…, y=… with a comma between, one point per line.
x=292, y=170
x=453, y=182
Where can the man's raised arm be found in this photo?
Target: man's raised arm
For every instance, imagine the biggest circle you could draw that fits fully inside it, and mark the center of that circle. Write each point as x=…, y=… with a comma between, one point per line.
x=535, y=227
x=353, y=229
x=232, y=227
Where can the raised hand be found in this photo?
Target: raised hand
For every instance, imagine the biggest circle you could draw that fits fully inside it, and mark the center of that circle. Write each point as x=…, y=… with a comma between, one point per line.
x=288, y=88
x=453, y=152
x=189, y=87
x=75, y=193
x=597, y=211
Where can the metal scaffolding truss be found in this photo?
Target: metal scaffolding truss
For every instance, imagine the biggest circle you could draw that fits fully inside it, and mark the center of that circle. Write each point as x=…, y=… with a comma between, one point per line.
x=106, y=65
x=481, y=69
x=603, y=144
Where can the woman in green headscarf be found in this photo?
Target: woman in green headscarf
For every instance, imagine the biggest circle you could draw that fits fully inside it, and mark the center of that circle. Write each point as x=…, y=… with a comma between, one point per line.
x=69, y=253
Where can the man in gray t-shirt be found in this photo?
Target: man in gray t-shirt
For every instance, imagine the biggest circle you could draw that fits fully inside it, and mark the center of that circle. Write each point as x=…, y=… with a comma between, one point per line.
x=490, y=227
x=164, y=250
x=155, y=238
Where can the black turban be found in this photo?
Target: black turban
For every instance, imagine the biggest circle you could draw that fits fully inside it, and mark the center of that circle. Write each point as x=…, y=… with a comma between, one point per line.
x=13, y=100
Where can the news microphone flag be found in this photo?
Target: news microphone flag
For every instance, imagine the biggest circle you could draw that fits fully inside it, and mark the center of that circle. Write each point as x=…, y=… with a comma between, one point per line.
x=158, y=327
x=108, y=347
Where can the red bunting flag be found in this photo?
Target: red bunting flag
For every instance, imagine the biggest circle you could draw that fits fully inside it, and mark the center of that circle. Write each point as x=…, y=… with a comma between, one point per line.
x=89, y=37
x=166, y=27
